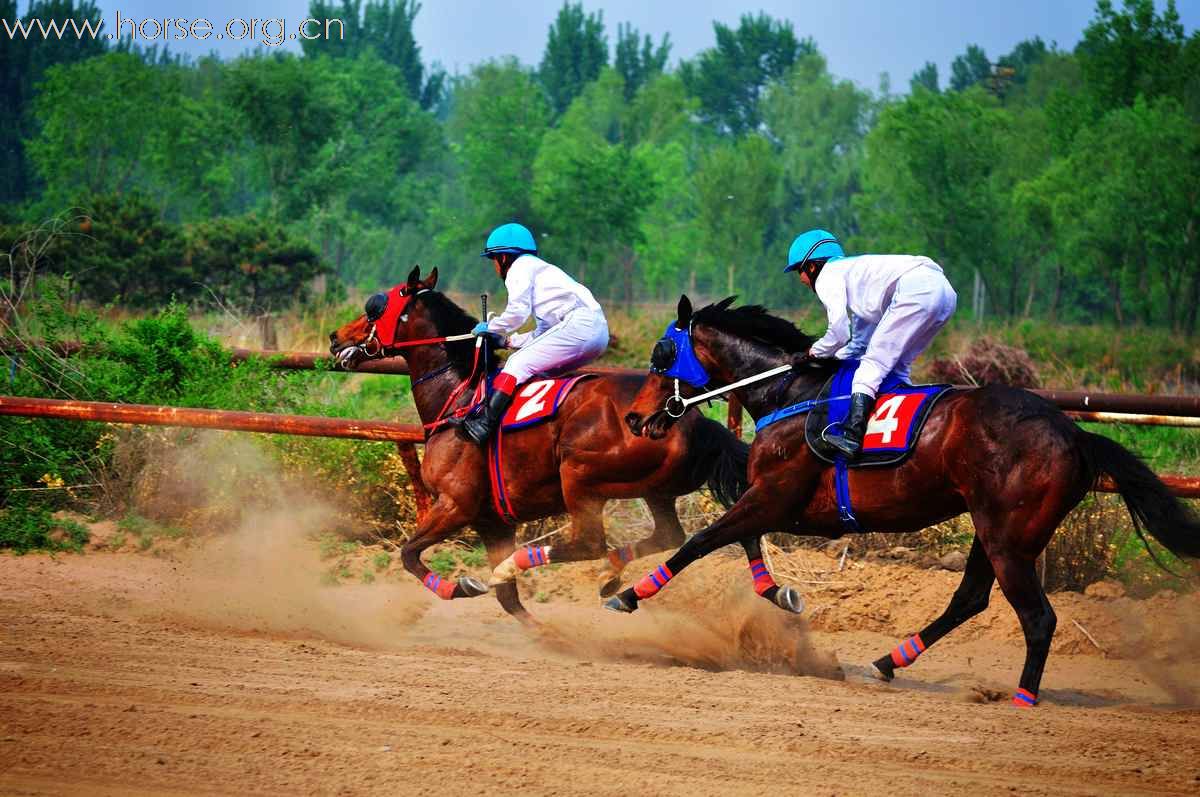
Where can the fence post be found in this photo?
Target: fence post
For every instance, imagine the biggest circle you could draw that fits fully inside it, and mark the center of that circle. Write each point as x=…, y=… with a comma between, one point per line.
x=412, y=464
x=734, y=420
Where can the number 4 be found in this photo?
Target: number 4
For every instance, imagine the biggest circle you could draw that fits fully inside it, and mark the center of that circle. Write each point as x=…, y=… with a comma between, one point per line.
x=883, y=420
x=534, y=393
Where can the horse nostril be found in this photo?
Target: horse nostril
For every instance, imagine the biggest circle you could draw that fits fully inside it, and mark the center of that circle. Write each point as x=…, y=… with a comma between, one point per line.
x=333, y=337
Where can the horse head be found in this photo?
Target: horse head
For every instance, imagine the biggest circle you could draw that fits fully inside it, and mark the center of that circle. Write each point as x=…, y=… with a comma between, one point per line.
x=678, y=365
x=388, y=318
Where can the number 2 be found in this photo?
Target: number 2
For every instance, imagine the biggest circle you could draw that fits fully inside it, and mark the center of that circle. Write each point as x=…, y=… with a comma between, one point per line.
x=534, y=393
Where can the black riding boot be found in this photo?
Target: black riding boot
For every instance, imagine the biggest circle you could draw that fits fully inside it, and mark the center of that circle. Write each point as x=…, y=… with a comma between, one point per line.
x=477, y=427
x=855, y=426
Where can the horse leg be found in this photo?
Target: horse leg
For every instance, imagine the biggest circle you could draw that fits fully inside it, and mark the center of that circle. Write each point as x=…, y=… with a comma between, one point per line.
x=442, y=520
x=969, y=599
x=741, y=522
x=583, y=541
x=499, y=542
x=787, y=597
x=1018, y=580
x=667, y=534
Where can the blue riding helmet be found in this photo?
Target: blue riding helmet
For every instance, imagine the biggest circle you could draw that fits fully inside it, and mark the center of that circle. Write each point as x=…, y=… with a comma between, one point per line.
x=813, y=245
x=511, y=237
x=674, y=357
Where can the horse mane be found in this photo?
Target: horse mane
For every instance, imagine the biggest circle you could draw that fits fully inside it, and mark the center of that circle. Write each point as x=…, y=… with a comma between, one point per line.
x=450, y=319
x=753, y=322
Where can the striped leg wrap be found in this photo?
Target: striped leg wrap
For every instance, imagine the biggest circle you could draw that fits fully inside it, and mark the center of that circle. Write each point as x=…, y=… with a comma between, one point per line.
x=907, y=651
x=762, y=576
x=619, y=557
x=1024, y=699
x=442, y=587
x=652, y=583
x=532, y=556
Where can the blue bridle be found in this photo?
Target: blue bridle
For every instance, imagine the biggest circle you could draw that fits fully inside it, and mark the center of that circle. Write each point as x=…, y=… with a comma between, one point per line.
x=684, y=366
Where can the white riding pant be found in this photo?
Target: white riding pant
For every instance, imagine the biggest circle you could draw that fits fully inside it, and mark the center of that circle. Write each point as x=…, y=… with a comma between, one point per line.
x=571, y=343
x=921, y=305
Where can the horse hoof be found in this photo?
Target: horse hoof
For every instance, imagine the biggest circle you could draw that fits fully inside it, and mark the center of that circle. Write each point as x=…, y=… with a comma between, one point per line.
x=471, y=587
x=788, y=599
x=610, y=587
x=617, y=603
x=881, y=675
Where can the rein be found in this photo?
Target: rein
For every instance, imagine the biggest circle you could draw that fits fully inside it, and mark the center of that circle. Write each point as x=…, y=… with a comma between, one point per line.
x=678, y=401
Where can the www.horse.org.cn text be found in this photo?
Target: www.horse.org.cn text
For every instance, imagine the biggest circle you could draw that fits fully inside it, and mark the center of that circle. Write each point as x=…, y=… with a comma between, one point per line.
x=269, y=32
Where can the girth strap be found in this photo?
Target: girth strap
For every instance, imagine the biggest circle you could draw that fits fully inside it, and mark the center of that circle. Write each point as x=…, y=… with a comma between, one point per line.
x=841, y=484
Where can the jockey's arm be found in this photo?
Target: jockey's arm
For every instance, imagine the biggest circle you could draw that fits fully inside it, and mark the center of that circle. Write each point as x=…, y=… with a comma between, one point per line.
x=832, y=293
x=519, y=285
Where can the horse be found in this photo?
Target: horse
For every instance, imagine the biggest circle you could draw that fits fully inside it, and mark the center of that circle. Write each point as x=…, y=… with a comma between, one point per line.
x=573, y=463
x=1011, y=459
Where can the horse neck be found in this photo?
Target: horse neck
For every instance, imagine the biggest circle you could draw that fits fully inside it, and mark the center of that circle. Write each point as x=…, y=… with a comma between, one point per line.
x=730, y=359
x=430, y=395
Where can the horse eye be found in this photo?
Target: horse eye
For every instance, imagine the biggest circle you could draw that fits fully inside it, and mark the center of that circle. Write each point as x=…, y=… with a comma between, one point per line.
x=375, y=306
x=663, y=356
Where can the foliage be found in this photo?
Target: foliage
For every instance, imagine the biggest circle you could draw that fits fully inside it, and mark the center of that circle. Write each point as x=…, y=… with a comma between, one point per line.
x=639, y=62
x=730, y=78
x=250, y=263
x=23, y=63
x=576, y=51
x=384, y=28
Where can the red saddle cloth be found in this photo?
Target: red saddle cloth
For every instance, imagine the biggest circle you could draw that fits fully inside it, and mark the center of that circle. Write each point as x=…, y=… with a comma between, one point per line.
x=533, y=403
x=538, y=401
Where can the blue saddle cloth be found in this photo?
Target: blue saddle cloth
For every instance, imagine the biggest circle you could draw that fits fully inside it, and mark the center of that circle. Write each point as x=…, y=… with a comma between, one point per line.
x=896, y=422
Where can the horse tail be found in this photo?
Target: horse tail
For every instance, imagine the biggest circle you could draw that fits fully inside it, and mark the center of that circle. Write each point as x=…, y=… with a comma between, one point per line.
x=1150, y=503
x=719, y=458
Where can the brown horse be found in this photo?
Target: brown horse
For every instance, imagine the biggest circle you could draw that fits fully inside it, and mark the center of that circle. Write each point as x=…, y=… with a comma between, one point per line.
x=1010, y=458
x=573, y=463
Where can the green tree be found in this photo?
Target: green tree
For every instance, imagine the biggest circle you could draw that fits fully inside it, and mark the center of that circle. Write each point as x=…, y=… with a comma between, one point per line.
x=925, y=78
x=729, y=78
x=250, y=263
x=384, y=27
x=576, y=51
x=592, y=189
x=969, y=69
x=1137, y=51
x=24, y=61
x=931, y=185
x=111, y=124
x=288, y=110
x=638, y=62
x=820, y=124
x=735, y=185
x=496, y=125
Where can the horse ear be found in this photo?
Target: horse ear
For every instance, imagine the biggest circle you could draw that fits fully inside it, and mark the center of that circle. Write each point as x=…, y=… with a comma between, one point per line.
x=685, y=312
x=414, y=275
x=431, y=280
x=726, y=302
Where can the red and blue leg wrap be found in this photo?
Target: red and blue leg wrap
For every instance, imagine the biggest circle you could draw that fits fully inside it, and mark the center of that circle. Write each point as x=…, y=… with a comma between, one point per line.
x=442, y=587
x=651, y=584
x=532, y=556
x=619, y=557
x=762, y=576
x=907, y=651
x=1024, y=699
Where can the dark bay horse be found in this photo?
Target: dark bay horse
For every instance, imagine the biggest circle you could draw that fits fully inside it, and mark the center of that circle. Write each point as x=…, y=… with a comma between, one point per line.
x=573, y=463
x=1010, y=458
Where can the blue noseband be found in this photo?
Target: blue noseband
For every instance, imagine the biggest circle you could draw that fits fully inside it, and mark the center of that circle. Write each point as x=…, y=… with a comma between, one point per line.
x=683, y=366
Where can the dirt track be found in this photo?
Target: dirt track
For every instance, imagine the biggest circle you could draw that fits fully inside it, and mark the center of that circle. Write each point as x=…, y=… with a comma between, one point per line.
x=124, y=673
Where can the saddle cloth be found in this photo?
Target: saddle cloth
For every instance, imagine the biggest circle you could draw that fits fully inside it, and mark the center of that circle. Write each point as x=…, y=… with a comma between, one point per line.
x=894, y=426
x=538, y=401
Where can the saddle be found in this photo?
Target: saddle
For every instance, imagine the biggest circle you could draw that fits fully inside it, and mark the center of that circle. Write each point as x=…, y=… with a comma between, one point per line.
x=894, y=427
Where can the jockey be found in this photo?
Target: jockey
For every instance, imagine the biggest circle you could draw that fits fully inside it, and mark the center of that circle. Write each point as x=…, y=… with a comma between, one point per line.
x=885, y=309
x=570, y=328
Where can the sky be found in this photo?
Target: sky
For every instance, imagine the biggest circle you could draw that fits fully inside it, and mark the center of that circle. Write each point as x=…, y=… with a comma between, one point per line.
x=861, y=39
